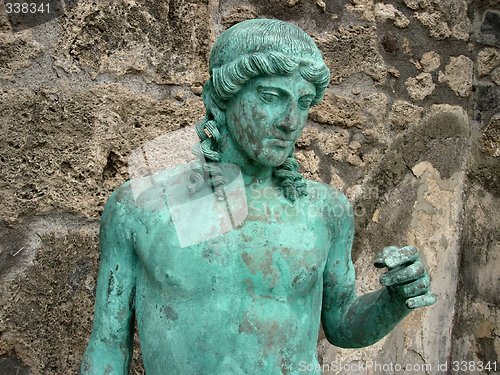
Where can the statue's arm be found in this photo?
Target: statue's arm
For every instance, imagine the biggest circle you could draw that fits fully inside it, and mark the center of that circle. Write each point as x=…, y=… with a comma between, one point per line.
x=350, y=321
x=110, y=346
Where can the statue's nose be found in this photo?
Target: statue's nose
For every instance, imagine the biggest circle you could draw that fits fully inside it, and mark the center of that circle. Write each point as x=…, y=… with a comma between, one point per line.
x=290, y=119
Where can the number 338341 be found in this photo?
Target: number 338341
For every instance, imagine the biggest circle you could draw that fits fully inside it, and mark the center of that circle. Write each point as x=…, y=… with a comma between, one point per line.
x=473, y=366
x=27, y=8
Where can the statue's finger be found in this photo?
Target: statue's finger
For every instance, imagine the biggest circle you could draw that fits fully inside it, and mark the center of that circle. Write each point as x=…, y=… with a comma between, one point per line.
x=415, y=288
x=403, y=275
x=421, y=301
x=403, y=256
x=383, y=255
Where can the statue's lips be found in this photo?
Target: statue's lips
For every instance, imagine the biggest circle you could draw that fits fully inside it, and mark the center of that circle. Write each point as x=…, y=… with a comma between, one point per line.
x=280, y=142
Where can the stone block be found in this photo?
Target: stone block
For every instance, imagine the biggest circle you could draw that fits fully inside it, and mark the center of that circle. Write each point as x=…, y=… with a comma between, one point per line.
x=17, y=51
x=458, y=74
x=47, y=298
x=404, y=114
x=430, y=61
x=166, y=42
x=353, y=49
x=489, y=142
x=443, y=18
x=489, y=31
x=487, y=96
x=487, y=60
x=420, y=86
x=67, y=148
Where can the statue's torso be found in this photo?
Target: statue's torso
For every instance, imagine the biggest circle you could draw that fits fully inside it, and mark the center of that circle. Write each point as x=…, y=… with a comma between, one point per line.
x=247, y=301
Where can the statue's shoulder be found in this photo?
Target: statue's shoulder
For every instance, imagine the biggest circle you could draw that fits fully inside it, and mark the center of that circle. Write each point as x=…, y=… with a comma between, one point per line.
x=326, y=196
x=118, y=208
x=151, y=192
x=122, y=195
x=136, y=192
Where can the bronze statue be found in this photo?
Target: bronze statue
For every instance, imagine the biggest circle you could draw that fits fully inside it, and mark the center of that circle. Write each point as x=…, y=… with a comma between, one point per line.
x=248, y=299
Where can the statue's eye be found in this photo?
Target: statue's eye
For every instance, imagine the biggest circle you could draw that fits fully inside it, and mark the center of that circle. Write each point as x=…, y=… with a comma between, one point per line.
x=269, y=97
x=305, y=103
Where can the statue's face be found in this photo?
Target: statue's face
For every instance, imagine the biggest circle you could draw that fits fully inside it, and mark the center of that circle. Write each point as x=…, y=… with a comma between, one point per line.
x=265, y=118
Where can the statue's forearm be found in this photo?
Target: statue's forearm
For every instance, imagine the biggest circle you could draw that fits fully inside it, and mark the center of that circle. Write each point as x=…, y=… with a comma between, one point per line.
x=368, y=319
x=101, y=358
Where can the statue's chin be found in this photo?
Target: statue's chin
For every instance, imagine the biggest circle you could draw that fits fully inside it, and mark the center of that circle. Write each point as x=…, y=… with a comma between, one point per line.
x=272, y=158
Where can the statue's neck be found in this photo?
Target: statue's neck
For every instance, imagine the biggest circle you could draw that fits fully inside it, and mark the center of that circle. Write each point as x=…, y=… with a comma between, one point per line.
x=252, y=171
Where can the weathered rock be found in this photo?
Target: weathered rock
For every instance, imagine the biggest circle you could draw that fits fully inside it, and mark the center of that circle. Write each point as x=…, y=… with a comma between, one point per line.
x=406, y=46
x=334, y=143
x=404, y=114
x=489, y=32
x=323, y=17
x=167, y=42
x=336, y=181
x=489, y=142
x=475, y=333
x=458, y=75
x=71, y=147
x=443, y=18
x=5, y=25
x=487, y=96
x=420, y=86
x=412, y=4
x=50, y=295
x=385, y=12
x=17, y=51
x=309, y=161
x=10, y=364
x=233, y=15
x=351, y=110
x=363, y=9
x=430, y=61
x=390, y=43
x=487, y=60
x=321, y=4
x=353, y=49
x=495, y=76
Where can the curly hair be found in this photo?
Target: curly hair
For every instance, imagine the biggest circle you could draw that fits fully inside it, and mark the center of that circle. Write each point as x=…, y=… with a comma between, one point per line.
x=245, y=51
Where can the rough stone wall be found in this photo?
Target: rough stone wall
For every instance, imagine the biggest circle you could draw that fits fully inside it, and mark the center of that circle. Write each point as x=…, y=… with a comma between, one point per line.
x=409, y=130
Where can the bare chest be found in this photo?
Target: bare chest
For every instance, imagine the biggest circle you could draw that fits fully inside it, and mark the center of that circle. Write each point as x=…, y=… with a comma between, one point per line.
x=265, y=257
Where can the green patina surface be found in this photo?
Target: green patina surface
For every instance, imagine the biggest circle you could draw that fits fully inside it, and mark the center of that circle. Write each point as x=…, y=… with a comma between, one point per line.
x=250, y=299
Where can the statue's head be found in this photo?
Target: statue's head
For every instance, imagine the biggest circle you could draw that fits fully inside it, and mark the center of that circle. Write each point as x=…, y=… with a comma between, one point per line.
x=263, y=47
x=264, y=76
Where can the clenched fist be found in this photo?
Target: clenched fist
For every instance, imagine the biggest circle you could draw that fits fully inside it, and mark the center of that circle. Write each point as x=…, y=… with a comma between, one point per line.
x=406, y=277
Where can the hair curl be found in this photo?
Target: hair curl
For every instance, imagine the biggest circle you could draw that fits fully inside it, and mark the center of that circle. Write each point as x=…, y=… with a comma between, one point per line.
x=249, y=50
